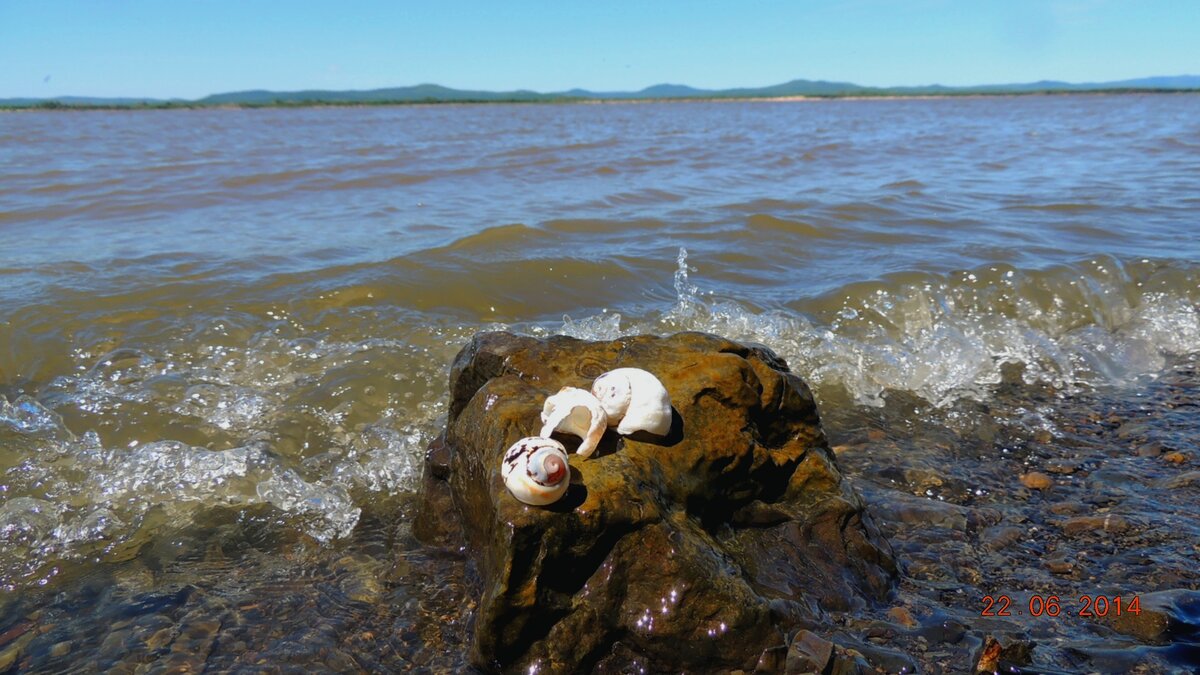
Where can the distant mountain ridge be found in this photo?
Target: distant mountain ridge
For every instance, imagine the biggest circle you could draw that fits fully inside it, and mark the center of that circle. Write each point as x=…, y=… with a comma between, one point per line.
x=435, y=93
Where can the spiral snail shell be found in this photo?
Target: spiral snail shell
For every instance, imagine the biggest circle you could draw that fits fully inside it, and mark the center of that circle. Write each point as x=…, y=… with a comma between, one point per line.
x=634, y=400
x=577, y=412
x=536, y=471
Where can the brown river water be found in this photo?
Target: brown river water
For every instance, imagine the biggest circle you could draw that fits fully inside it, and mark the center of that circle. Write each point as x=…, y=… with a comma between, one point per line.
x=225, y=337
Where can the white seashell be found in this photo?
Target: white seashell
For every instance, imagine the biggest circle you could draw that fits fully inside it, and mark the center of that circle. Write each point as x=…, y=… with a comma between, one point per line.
x=536, y=471
x=576, y=412
x=635, y=400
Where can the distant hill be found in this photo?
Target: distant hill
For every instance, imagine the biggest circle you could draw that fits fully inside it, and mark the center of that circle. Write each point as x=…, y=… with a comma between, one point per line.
x=420, y=92
x=435, y=93
x=85, y=101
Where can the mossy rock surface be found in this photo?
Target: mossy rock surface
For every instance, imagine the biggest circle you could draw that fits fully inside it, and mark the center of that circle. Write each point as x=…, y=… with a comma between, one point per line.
x=703, y=549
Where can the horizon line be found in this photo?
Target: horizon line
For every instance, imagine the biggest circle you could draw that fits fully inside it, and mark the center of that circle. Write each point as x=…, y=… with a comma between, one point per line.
x=625, y=92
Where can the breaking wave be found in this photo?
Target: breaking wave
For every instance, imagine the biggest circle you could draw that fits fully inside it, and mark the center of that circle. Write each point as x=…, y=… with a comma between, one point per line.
x=323, y=410
x=944, y=337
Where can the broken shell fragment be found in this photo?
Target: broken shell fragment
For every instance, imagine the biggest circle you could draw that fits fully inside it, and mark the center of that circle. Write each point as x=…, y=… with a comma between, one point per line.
x=535, y=470
x=635, y=400
x=577, y=412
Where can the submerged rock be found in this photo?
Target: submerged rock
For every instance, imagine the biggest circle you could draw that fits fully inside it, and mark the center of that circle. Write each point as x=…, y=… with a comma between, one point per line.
x=706, y=547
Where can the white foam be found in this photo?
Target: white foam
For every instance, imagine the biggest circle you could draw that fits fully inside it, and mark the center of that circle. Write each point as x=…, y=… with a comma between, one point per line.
x=947, y=338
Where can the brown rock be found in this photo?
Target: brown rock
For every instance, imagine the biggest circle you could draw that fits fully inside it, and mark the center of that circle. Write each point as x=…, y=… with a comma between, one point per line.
x=1159, y=615
x=698, y=550
x=1175, y=457
x=1151, y=449
x=1000, y=537
x=1060, y=566
x=773, y=660
x=1035, y=480
x=1062, y=466
x=904, y=508
x=1132, y=429
x=902, y=616
x=1068, y=508
x=808, y=653
x=996, y=656
x=1109, y=523
x=989, y=656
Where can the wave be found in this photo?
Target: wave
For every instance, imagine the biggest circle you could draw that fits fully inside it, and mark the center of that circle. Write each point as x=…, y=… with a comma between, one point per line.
x=945, y=337
x=315, y=393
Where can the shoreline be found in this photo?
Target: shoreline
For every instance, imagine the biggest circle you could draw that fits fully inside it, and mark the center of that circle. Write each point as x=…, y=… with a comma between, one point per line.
x=52, y=105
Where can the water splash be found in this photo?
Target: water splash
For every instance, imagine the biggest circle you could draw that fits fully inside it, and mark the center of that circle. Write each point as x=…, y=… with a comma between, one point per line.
x=687, y=301
x=603, y=326
x=946, y=338
x=137, y=443
x=320, y=417
x=328, y=510
x=26, y=415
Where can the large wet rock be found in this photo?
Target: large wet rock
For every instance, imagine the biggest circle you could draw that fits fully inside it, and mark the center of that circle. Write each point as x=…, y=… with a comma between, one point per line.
x=706, y=548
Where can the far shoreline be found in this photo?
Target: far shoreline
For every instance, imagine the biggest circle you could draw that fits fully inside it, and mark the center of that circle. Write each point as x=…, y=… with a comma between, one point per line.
x=57, y=106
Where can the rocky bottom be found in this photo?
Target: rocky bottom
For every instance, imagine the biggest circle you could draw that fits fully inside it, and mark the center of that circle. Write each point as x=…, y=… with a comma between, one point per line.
x=1031, y=503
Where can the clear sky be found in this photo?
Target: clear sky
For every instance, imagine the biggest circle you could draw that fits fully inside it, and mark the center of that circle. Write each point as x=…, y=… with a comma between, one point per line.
x=191, y=48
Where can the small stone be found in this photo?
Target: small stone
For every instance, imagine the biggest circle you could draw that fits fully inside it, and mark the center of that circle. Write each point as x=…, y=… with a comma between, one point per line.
x=1043, y=436
x=10, y=654
x=1060, y=566
x=1131, y=429
x=161, y=638
x=989, y=656
x=923, y=479
x=1062, y=466
x=772, y=660
x=1151, y=449
x=60, y=649
x=876, y=435
x=1068, y=508
x=1161, y=615
x=996, y=657
x=1036, y=480
x=981, y=517
x=114, y=644
x=946, y=632
x=917, y=510
x=1106, y=523
x=341, y=662
x=808, y=653
x=902, y=616
x=202, y=630
x=1000, y=537
x=8, y=657
x=1175, y=457
x=1106, y=479
x=15, y=632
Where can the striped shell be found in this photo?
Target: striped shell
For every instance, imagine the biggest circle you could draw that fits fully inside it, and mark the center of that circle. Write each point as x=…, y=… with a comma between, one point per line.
x=536, y=470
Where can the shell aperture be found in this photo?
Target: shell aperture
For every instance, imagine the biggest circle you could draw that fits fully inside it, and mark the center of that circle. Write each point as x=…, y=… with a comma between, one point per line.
x=577, y=412
x=634, y=400
x=536, y=470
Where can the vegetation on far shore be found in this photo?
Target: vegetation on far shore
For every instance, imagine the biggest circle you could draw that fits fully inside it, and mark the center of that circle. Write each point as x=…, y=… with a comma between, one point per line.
x=342, y=99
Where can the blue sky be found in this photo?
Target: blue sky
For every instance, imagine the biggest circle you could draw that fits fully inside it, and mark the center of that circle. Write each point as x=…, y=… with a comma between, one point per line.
x=191, y=48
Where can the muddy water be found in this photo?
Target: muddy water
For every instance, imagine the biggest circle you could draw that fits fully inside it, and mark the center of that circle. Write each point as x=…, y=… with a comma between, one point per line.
x=224, y=338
